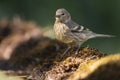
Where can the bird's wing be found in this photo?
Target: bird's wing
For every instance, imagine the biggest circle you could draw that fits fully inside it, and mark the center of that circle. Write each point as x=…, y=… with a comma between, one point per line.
x=74, y=27
x=78, y=29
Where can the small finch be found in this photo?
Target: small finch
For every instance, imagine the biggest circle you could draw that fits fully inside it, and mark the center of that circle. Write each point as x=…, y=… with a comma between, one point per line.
x=71, y=33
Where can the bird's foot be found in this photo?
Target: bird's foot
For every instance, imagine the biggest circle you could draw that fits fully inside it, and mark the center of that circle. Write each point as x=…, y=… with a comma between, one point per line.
x=76, y=52
x=66, y=51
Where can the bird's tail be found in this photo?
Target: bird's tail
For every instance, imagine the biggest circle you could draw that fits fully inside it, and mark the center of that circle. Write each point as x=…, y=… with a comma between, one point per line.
x=101, y=35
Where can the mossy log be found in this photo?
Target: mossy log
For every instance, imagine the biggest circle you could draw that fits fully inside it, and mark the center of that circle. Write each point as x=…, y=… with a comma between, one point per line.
x=26, y=53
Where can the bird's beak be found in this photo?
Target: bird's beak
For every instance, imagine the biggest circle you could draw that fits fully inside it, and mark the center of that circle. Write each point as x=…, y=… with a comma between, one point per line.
x=57, y=16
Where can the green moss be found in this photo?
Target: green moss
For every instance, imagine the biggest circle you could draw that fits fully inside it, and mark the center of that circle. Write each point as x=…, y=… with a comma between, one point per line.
x=106, y=68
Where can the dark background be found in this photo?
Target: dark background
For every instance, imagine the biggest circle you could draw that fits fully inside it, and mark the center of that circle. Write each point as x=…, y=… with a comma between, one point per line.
x=101, y=16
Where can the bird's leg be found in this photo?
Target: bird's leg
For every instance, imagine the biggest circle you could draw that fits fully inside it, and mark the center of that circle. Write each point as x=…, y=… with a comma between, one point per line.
x=77, y=51
x=66, y=51
x=78, y=48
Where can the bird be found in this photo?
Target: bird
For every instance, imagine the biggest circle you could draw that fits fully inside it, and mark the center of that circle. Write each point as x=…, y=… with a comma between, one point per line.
x=71, y=33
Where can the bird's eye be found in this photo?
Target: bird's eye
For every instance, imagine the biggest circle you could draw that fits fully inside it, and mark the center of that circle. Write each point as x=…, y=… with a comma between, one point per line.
x=62, y=14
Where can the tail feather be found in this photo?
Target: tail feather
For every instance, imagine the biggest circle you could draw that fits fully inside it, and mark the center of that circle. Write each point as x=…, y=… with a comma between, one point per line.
x=103, y=35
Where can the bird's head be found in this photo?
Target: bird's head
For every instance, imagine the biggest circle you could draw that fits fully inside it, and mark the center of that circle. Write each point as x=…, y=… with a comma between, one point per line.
x=62, y=15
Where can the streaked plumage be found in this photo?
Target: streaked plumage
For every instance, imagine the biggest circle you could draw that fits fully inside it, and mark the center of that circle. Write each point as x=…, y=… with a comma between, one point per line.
x=71, y=33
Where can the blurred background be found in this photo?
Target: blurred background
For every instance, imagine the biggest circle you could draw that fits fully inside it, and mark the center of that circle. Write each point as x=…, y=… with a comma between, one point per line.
x=101, y=16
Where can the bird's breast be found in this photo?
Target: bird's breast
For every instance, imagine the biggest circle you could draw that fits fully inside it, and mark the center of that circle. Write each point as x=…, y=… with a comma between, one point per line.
x=62, y=33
